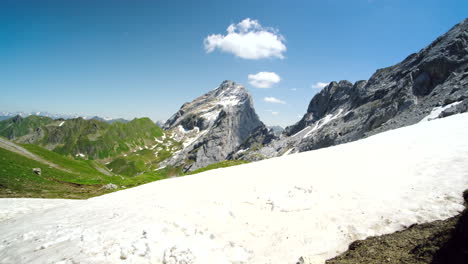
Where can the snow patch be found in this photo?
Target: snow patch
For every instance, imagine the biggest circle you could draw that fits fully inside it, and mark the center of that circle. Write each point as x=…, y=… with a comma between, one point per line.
x=242, y=151
x=229, y=101
x=61, y=123
x=323, y=122
x=190, y=140
x=437, y=111
x=211, y=116
x=183, y=130
x=304, y=129
x=15, y=207
x=160, y=168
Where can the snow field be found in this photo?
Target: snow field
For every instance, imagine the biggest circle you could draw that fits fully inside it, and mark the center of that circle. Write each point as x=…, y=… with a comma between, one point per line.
x=311, y=204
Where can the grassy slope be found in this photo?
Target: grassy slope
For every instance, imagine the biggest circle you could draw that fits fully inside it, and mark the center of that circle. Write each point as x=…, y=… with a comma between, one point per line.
x=133, y=152
x=83, y=181
x=18, y=126
x=99, y=140
x=18, y=180
x=146, y=159
x=93, y=138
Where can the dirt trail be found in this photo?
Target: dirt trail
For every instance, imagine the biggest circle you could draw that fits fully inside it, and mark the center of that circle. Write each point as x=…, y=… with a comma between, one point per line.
x=8, y=145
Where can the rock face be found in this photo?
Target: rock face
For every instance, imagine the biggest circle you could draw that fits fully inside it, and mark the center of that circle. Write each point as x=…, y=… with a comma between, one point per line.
x=213, y=125
x=429, y=84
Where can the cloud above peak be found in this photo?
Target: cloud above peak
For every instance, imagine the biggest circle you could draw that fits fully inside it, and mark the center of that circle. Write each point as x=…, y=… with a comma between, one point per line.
x=263, y=79
x=248, y=40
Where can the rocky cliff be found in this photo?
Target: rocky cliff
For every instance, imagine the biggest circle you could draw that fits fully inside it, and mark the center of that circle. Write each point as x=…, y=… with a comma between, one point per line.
x=426, y=85
x=213, y=125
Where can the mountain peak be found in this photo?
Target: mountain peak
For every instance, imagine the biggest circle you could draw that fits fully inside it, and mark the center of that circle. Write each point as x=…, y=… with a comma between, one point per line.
x=229, y=88
x=223, y=117
x=17, y=118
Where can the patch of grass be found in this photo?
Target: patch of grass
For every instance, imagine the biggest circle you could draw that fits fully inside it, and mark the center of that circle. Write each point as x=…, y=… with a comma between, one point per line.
x=80, y=181
x=18, y=180
x=127, y=167
x=81, y=167
x=222, y=164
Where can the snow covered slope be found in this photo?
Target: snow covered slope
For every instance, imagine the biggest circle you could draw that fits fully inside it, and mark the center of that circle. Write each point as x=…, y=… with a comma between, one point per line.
x=310, y=204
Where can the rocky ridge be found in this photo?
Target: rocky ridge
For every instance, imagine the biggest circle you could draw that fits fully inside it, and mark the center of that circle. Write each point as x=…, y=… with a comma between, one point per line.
x=426, y=85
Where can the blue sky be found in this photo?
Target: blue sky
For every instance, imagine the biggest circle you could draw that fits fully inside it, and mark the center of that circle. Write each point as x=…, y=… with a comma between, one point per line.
x=146, y=58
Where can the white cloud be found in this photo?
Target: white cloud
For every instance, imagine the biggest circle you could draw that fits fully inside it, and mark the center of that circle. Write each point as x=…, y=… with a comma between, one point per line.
x=319, y=85
x=273, y=100
x=293, y=89
x=263, y=79
x=248, y=40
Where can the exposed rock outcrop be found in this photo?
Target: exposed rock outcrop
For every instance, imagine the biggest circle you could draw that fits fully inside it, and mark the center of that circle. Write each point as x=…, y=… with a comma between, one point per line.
x=213, y=125
x=429, y=84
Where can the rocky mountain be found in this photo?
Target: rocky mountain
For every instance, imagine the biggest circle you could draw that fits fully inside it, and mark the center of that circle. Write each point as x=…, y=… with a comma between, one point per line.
x=213, y=125
x=426, y=85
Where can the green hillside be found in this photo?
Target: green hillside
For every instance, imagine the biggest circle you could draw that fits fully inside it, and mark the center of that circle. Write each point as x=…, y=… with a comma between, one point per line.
x=18, y=126
x=86, y=156
x=90, y=139
x=79, y=178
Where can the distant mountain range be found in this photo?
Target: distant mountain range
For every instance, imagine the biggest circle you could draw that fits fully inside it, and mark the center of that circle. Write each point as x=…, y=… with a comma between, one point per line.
x=7, y=115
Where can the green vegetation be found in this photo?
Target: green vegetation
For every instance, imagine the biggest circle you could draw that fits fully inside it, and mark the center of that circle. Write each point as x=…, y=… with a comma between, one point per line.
x=127, y=166
x=98, y=140
x=89, y=155
x=79, y=179
x=84, y=168
x=222, y=164
x=144, y=160
x=17, y=126
x=92, y=138
x=18, y=180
